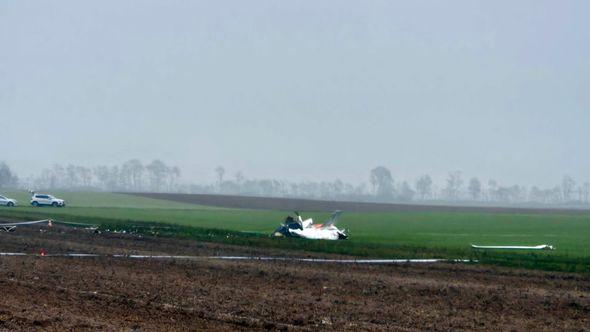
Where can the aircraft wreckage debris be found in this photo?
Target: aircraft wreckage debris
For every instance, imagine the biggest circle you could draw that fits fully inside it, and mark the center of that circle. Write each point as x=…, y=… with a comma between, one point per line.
x=249, y=258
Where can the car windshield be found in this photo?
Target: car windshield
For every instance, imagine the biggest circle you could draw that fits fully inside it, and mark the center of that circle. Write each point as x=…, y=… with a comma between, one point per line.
x=49, y=196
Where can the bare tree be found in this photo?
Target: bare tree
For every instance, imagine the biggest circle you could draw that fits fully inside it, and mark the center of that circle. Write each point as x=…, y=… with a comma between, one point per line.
x=536, y=195
x=126, y=176
x=173, y=175
x=239, y=177
x=474, y=188
x=555, y=194
x=157, y=172
x=382, y=182
x=7, y=177
x=85, y=176
x=133, y=170
x=406, y=193
x=454, y=183
x=337, y=188
x=71, y=176
x=102, y=176
x=492, y=190
x=57, y=176
x=161, y=177
x=424, y=187
x=113, y=178
x=567, y=187
x=585, y=192
x=220, y=172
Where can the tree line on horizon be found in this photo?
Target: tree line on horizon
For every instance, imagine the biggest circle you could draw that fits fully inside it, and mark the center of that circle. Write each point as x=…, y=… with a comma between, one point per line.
x=157, y=176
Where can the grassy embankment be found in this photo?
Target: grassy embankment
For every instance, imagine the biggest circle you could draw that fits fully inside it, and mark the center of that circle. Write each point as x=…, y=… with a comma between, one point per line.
x=386, y=235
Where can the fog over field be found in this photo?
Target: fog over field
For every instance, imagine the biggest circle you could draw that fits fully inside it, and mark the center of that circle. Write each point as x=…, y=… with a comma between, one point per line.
x=300, y=90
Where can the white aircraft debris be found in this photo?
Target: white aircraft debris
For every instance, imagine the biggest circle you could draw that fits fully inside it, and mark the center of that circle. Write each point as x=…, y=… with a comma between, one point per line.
x=297, y=227
x=539, y=247
x=248, y=258
x=10, y=227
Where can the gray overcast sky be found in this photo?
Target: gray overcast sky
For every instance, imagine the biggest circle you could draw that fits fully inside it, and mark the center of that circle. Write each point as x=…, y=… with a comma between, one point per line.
x=300, y=89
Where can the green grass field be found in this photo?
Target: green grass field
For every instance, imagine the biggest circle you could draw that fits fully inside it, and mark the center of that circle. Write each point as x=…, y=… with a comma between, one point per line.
x=403, y=234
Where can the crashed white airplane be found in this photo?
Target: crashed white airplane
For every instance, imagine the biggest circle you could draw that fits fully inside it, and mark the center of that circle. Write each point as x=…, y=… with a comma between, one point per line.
x=10, y=227
x=297, y=227
x=539, y=247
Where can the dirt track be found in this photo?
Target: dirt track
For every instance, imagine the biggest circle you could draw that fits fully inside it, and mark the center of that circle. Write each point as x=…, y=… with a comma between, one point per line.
x=50, y=293
x=297, y=204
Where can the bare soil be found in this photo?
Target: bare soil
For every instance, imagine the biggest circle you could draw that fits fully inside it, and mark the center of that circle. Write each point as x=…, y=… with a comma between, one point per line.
x=297, y=204
x=105, y=293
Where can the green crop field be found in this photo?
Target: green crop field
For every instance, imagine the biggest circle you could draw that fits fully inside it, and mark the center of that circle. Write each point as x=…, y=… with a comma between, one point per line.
x=401, y=234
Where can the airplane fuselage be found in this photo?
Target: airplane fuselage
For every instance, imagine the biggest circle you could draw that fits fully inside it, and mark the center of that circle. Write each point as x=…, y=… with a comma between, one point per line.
x=308, y=230
x=319, y=233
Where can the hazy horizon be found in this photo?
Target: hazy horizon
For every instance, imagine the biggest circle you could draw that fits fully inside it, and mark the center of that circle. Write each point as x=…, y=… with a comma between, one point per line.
x=300, y=90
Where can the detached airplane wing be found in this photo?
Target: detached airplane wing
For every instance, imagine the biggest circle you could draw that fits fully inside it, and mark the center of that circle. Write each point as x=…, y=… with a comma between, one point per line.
x=539, y=247
x=9, y=227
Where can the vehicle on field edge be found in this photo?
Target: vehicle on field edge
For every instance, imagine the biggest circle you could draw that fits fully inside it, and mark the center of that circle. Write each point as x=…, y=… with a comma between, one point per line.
x=47, y=200
x=5, y=201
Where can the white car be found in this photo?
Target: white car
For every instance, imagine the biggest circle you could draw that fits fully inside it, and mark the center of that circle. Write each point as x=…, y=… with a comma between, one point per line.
x=41, y=199
x=7, y=201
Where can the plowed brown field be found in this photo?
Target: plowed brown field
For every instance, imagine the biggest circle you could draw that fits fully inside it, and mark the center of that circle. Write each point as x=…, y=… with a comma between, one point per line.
x=105, y=293
x=298, y=204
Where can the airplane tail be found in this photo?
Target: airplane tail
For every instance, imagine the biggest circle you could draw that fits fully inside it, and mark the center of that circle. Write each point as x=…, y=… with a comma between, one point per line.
x=333, y=218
